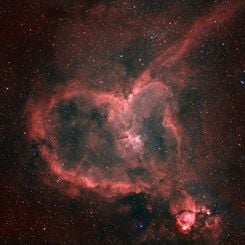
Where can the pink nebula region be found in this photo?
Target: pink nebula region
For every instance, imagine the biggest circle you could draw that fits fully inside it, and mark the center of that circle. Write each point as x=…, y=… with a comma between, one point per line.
x=123, y=135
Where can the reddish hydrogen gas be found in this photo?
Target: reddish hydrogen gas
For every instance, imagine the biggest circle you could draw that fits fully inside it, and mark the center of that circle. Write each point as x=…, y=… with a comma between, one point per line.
x=127, y=137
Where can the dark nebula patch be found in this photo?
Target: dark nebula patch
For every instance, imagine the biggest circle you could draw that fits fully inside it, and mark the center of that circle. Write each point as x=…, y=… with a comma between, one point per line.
x=155, y=143
x=83, y=135
x=132, y=61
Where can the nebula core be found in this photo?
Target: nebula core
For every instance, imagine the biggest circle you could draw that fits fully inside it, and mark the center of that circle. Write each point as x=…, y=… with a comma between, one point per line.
x=130, y=127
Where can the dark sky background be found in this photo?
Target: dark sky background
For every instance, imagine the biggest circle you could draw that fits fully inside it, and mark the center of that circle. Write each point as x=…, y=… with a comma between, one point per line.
x=148, y=94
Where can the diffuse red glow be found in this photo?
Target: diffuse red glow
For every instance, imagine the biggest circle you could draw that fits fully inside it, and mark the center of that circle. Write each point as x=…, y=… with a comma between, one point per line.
x=126, y=114
x=121, y=114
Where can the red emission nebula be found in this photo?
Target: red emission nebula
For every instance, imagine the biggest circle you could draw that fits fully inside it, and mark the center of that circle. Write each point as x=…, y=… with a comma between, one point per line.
x=117, y=135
